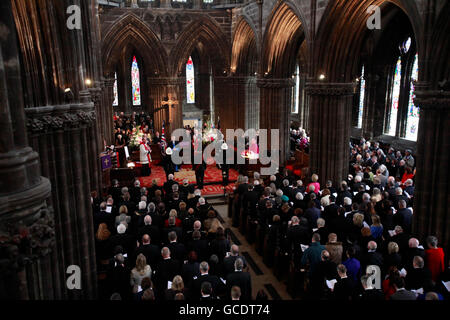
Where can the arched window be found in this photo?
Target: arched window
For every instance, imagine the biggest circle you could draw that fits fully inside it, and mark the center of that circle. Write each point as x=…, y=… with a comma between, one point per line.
x=362, y=90
x=395, y=98
x=412, y=119
x=135, y=83
x=116, y=93
x=190, y=79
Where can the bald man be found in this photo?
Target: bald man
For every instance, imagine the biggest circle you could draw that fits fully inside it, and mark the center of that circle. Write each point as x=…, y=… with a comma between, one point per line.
x=228, y=262
x=151, y=251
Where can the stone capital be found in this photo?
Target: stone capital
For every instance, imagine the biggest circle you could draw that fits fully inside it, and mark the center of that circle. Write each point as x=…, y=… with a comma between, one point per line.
x=429, y=99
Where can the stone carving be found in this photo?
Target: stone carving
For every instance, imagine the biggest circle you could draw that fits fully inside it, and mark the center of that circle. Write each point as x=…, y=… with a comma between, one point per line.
x=29, y=241
x=330, y=89
x=275, y=83
x=41, y=124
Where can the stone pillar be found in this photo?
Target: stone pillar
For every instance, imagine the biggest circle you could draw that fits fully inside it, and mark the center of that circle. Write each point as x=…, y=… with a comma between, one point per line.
x=431, y=200
x=108, y=99
x=370, y=106
x=26, y=222
x=275, y=98
x=252, y=100
x=329, y=128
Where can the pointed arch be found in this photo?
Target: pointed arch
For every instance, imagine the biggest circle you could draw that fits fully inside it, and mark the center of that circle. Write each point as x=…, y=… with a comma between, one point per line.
x=129, y=30
x=282, y=40
x=208, y=35
x=342, y=30
x=244, y=52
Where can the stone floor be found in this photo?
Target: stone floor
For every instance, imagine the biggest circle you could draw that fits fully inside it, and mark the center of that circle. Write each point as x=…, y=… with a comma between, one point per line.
x=274, y=289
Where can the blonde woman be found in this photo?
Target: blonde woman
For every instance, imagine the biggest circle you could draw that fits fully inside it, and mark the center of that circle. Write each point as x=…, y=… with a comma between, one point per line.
x=393, y=258
x=314, y=179
x=141, y=271
x=177, y=287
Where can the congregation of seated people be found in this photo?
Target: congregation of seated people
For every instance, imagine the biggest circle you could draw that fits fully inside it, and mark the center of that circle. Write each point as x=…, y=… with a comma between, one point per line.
x=165, y=243
x=332, y=233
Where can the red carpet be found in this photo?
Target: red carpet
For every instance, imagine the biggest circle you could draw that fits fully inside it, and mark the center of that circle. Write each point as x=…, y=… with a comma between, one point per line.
x=213, y=177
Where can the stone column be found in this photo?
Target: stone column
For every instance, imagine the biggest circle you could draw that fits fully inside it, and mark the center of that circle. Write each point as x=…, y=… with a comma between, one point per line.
x=26, y=222
x=251, y=104
x=275, y=97
x=431, y=200
x=329, y=127
x=108, y=99
x=370, y=107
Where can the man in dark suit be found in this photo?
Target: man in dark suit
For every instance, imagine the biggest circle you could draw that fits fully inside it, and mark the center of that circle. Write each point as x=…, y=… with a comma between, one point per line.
x=312, y=214
x=371, y=257
x=403, y=217
x=151, y=230
x=165, y=271
x=168, y=185
x=240, y=279
x=216, y=284
x=369, y=293
x=330, y=211
x=249, y=201
x=344, y=288
x=199, y=245
x=418, y=276
x=401, y=293
x=123, y=239
x=151, y=252
x=200, y=174
x=206, y=292
x=178, y=250
x=103, y=216
x=119, y=278
x=229, y=261
x=172, y=227
x=412, y=251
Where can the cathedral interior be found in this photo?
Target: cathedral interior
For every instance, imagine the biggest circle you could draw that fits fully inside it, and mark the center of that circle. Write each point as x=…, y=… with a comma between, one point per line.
x=68, y=66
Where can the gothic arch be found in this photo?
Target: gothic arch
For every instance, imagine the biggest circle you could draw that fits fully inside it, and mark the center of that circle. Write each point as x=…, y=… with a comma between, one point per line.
x=213, y=43
x=244, y=49
x=342, y=30
x=436, y=66
x=282, y=40
x=131, y=31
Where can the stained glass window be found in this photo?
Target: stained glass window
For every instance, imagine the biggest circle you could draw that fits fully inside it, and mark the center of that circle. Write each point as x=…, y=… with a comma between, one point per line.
x=116, y=94
x=135, y=83
x=412, y=119
x=190, y=89
x=362, y=90
x=395, y=97
x=296, y=92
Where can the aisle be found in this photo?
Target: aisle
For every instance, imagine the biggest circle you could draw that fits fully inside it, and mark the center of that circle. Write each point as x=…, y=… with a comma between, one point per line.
x=262, y=277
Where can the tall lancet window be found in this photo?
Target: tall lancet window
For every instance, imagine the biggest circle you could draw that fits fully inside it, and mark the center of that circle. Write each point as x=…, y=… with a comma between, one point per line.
x=135, y=83
x=412, y=119
x=190, y=79
x=296, y=92
x=116, y=93
x=362, y=90
x=395, y=98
